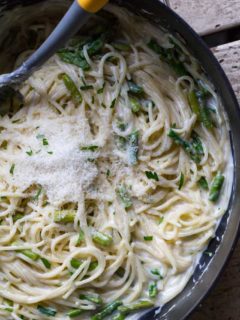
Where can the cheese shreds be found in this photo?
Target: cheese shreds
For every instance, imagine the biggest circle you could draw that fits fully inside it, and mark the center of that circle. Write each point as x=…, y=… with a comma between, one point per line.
x=59, y=167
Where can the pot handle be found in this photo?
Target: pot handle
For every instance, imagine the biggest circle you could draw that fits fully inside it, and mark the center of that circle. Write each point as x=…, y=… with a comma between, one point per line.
x=92, y=6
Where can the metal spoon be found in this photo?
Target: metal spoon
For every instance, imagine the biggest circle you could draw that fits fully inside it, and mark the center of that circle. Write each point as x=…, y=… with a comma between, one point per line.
x=76, y=16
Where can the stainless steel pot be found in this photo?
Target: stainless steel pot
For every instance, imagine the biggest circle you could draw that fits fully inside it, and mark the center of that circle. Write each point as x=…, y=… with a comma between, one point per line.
x=221, y=246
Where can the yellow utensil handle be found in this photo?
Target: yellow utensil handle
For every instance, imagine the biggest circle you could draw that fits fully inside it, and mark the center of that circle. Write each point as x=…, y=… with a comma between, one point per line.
x=92, y=6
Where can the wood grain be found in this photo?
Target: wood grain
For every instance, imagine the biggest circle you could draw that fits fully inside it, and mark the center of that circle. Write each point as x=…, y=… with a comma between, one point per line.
x=208, y=16
x=229, y=57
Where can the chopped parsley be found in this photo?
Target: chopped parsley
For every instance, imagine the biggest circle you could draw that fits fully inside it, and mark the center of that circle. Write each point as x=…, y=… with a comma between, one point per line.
x=181, y=181
x=100, y=91
x=30, y=152
x=12, y=169
x=113, y=103
x=43, y=138
x=50, y=152
x=152, y=175
x=156, y=272
x=148, y=238
x=89, y=148
x=86, y=87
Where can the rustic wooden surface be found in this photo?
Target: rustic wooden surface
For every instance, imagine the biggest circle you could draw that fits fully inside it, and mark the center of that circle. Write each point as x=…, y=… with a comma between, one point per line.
x=229, y=57
x=208, y=16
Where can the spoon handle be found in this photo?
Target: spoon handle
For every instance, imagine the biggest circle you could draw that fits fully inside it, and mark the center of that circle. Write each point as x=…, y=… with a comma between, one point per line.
x=75, y=17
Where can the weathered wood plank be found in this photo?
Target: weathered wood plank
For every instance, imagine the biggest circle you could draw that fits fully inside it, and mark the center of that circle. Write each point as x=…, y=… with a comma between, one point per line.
x=229, y=57
x=208, y=16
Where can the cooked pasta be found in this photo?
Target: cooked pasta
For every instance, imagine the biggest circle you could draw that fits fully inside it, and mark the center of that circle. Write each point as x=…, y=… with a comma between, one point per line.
x=111, y=175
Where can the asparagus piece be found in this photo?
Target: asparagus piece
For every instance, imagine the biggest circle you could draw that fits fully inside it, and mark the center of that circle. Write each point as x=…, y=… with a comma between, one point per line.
x=142, y=304
x=102, y=238
x=152, y=290
x=64, y=216
x=202, y=182
x=93, y=297
x=72, y=88
x=30, y=254
x=215, y=187
x=74, y=313
x=47, y=311
x=107, y=310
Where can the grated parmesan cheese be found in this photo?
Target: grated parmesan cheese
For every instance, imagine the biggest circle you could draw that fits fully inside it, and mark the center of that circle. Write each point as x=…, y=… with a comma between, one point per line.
x=56, y=161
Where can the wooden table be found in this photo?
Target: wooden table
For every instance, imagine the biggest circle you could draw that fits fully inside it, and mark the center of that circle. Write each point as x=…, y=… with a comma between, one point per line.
x=207, y=17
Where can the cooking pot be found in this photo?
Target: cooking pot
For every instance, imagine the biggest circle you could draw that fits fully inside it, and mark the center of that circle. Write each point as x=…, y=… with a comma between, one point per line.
x=220, y=247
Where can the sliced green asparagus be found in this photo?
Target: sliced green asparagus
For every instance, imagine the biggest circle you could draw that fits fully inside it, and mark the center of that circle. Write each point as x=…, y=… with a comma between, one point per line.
x=72, y=88
x=102, y=239
x=64, y=216
x=107, y=310
x=142, y=304
x=215, y=187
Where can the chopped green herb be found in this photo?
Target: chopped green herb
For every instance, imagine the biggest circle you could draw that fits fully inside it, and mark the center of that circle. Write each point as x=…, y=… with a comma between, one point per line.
x=30, y=152
x=47, y=311
x=45, y=142
x=124, y=196
x=112, y=105
x=152, y=290
x=148, y=238
x=12, y=169
x=107, y=310
x=64, y=216
x=108, y=173
x=100, y=91
x=102, y=238
x=89, y=148
x=202, y=182
x=152, y=175
x=181, y=181
x=86, y=87
x=46, y=263
x=50, y=152
x=93, y=100
x=215, y=187
x=156, y=272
